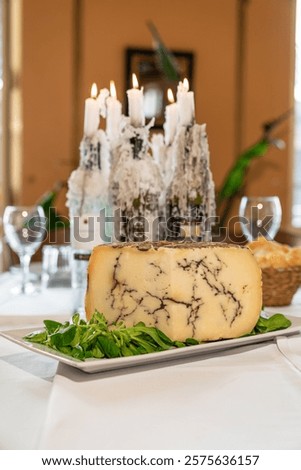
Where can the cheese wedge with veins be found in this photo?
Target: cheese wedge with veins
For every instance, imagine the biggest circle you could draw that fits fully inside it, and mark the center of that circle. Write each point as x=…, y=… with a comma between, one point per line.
x=194, y=290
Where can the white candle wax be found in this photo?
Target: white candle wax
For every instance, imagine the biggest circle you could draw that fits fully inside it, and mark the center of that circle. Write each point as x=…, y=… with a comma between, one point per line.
x=91, y=121
x=185, y=101
x=102, y=102
x=171, y=122
x=171, y=119
x=113, y=114
x=136, y=110
x=113, y=118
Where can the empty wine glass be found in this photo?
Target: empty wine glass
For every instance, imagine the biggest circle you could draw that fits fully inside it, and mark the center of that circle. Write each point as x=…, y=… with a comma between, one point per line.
x=260, y=216
x=25, y=229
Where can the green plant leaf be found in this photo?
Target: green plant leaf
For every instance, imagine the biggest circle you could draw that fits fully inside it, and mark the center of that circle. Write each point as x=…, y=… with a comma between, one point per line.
x=235, y=179
x=47, y=202
x=166, y=60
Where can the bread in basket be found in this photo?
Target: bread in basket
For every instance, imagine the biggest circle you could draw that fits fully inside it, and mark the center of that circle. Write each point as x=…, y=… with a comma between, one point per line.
x=281, y=270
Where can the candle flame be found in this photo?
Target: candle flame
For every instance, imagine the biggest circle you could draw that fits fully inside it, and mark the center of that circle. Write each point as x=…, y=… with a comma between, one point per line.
x=113, y=89
x=135, y=81
x=170, y=96
x=94, y=90
x=186, y=84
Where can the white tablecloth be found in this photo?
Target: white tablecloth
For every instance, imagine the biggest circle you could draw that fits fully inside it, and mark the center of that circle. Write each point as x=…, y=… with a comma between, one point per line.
x=246, y=398
x=26, y=378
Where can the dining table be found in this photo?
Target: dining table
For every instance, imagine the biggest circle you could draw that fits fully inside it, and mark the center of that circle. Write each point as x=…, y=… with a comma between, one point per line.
x=244, y=397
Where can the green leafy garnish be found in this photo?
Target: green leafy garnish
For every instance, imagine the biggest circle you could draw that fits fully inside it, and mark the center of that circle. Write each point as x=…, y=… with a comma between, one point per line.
x=96, y=339
x=274, y=323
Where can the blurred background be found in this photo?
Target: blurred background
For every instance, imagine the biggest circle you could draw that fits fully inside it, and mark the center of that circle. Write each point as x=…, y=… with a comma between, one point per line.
x=244, y=74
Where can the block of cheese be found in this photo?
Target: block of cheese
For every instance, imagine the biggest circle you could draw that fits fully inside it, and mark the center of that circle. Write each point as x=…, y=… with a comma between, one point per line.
x=188, y=290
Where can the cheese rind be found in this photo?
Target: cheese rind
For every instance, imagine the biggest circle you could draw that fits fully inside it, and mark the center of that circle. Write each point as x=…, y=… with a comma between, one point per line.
x=203, y=291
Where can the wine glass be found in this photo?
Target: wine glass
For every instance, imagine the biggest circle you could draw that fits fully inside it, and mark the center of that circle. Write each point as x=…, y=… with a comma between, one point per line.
x=260, y=216
x=25, y=229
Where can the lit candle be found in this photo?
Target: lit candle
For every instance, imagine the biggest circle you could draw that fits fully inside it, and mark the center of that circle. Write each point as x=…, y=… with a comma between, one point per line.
x=91, y=121
x=185, y=99
x=113, y=114
x=171, y=118
x=135, y=97
x=102, y=102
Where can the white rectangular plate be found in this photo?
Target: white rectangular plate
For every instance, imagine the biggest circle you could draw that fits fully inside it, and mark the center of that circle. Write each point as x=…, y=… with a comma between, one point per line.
x=101, y=365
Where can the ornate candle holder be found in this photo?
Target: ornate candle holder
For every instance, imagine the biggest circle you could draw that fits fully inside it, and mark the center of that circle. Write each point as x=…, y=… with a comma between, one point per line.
x=87, y=196
x=190, y=200
x=88, y=185
x=136, y=185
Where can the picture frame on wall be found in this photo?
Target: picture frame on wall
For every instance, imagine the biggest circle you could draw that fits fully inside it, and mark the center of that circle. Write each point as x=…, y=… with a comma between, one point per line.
x=144, y=63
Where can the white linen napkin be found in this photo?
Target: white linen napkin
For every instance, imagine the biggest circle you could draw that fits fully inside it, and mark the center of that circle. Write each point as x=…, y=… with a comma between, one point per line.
x=246, y=398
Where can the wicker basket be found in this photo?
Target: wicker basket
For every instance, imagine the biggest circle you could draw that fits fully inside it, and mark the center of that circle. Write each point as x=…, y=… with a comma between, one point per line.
x=280, y=285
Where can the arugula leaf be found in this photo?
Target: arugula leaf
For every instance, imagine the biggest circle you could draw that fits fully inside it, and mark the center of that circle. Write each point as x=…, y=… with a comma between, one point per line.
x=96, y=352
x=191, y=342
x=37, y=337
x=265, y=325
x=52, y=326
x=76, y=319
x=63, y=337
x=78, y=352
x=162, y=341
x=274, y=323
x=108, y=346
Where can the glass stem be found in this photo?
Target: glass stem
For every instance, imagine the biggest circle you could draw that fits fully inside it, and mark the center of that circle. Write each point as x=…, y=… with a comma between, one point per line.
x=24, y=262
